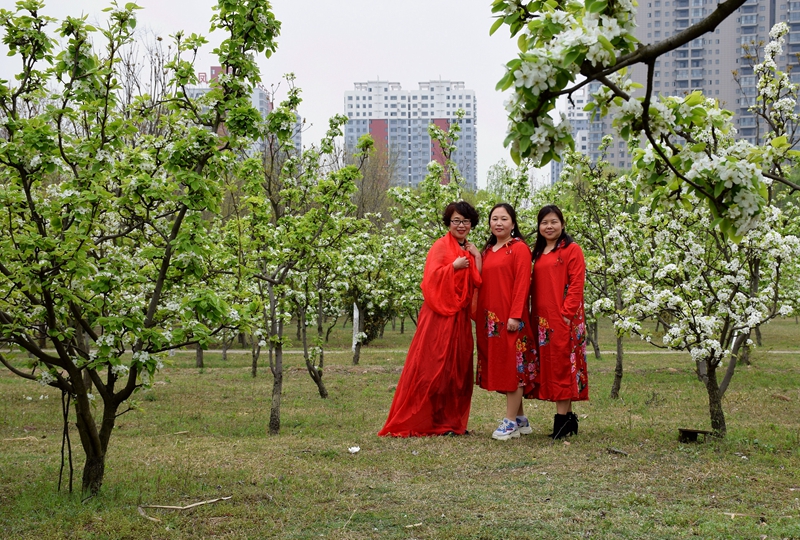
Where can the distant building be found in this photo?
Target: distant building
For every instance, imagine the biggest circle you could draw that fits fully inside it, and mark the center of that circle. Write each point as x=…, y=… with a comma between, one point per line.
x=259, y=98
x=398, y=121
x=707, y=63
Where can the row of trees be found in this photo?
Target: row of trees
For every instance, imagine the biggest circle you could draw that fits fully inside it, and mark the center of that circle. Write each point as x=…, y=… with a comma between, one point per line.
x=138, y=220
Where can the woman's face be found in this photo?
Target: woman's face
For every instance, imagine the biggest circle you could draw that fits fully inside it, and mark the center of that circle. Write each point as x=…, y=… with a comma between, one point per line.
x=459, y=226
x=551, y=227
x=501, y=223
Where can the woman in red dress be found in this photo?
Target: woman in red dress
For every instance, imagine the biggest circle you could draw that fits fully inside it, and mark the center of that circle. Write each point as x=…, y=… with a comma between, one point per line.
x=434, y=393
x=503, y=325
x=557, y=301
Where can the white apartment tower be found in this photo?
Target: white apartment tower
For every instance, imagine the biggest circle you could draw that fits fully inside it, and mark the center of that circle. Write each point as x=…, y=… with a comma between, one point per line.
x=398, y=121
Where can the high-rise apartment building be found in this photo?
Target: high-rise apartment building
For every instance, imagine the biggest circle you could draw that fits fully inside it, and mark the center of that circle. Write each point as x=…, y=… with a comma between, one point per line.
x=398, y=121
x=708, y=62
x=259, y=98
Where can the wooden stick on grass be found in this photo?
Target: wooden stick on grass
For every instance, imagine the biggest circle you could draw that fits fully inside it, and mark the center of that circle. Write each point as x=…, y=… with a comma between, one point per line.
x=179, y=508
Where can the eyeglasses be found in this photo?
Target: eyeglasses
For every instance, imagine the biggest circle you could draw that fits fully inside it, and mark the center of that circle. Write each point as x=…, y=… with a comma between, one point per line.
x=458, y=222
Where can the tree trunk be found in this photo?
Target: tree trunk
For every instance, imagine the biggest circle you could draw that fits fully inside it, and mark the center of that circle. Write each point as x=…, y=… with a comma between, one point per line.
x=198, y=356
x=93, y=472
x=617, y=370
x=592, y=337
x=738, y=348
x=715, y=400
x=358, y=328
x=758, y=336
x=277, y=388
x=402, y=325
x=255, y=352
x=702, y=371
x=225, y=344
x=313, y=371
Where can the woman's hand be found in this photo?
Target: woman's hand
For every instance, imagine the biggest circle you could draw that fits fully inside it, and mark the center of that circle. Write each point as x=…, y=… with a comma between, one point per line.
x=461, y=262
x=513, y=325
x=472, y=249
x=566, y=320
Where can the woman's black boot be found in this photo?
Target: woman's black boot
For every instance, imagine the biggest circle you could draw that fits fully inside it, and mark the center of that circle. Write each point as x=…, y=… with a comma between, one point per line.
x=572, y=423
x=559, y=426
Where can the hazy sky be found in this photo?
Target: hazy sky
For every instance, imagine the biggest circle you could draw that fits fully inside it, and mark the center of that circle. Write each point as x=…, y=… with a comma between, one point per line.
x=329, y=45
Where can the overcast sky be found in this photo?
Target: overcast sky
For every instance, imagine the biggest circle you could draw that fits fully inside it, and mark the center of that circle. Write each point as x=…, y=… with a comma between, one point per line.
x=329, y=45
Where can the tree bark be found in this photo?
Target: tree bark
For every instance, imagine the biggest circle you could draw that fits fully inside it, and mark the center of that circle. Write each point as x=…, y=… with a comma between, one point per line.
x=402, y=325
x=715, y=400
x=198, y=356
x=313, y=371
x=358, y=328
x=592, y=337
x=617, y=370
x=277, y=388
x=255, y=352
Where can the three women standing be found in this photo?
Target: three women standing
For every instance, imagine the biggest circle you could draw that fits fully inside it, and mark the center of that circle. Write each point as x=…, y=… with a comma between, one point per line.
x=435, y=389
x=434, y=393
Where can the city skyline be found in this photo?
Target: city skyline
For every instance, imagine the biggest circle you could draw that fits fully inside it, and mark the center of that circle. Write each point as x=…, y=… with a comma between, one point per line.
x=398, y=121
x=328, y=45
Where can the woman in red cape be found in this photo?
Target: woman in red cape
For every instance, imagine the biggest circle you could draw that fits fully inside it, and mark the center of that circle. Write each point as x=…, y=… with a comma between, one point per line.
x=559, y=272
x=505, y=339
x=434, y=393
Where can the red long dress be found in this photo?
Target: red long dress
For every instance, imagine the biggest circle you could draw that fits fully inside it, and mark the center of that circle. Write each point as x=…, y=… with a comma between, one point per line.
x=434, y=393
x=557, y=289
x=505, y=360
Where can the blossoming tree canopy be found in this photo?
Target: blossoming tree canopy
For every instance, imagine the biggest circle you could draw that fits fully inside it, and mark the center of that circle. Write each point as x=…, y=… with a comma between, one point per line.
x=566, y=45
x=106, y=249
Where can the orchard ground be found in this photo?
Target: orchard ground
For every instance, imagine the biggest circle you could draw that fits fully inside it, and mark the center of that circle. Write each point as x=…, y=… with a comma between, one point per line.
x=200, y=434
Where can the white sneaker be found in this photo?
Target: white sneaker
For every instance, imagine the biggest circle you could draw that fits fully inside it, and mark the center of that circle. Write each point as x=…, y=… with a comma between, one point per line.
x=506, y=430
x=523, y=425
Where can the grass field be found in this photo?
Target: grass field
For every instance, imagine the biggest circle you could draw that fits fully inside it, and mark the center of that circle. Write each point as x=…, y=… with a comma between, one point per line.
x=201, y=435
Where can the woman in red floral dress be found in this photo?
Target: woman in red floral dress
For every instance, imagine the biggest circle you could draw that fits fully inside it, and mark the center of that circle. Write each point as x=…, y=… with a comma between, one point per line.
x=504, y=334
x=557, y=304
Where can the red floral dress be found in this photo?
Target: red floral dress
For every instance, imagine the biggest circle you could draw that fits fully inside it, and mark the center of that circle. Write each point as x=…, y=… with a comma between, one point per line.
x=505, y=359
x=434, y=393
x=557, y=292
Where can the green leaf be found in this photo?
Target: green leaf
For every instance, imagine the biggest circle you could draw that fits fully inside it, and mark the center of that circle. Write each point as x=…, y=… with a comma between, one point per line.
x=522, y=43
x=779, y=142
x=597, y=6
x=609, y=47
x=571, y=56
x=699, y=147
x=719, y=187
x=497, y=24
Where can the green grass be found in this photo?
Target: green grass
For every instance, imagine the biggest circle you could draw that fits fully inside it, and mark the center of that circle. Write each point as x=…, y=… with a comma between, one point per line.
x=201, y=434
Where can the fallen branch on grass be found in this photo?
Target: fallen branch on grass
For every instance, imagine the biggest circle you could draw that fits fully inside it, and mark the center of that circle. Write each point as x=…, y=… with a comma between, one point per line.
x=29, y=438
x=615, y=451
x=179, y=508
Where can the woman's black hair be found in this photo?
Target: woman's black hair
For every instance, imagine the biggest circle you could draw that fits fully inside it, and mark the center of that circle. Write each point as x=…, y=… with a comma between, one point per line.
x=541, y=242
x=463, y=208
x=515, y=233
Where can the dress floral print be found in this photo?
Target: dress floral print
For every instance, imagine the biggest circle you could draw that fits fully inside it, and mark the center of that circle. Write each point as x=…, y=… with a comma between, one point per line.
x=544, y=331
x=505, y=359
x=493, y=324
x=557, y=296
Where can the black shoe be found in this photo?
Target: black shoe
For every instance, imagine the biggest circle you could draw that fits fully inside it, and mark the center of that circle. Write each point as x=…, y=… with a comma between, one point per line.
x=572, y=423
x=559, y=426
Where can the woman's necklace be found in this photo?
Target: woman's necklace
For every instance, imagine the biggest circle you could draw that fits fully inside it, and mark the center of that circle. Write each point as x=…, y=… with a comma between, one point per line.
x=464, y=245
